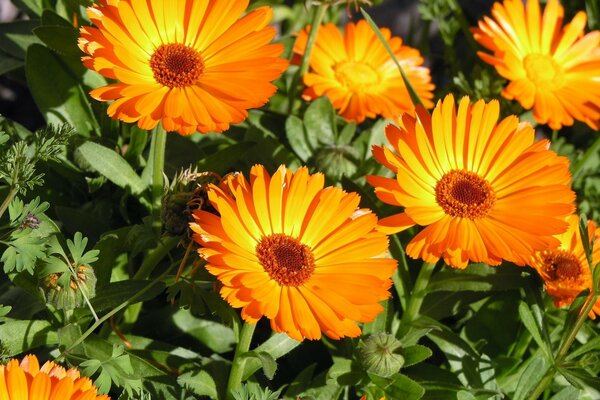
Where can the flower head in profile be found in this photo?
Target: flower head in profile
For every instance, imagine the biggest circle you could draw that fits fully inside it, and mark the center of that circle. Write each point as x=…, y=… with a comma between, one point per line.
x=484, y=190
x=553, y=69
x=357, y=74
x=27, y=381
x=306, y=257
x=565, y=270
x=192, y=65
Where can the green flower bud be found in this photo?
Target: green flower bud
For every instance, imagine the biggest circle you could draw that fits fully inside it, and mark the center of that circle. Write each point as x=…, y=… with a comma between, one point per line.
x=381, y=354
x=70, y=295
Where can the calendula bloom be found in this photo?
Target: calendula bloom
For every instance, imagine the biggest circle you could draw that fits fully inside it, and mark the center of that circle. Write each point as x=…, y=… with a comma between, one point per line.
x=194, y=65
x=565, y=270
x=483, y=189
x=554, y=70
x=27, y=381
x=357, y=74
x=304, y=256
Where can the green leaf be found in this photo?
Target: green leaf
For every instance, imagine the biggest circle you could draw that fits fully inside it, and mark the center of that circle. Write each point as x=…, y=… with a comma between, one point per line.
x=116, y=293
x=463, y=395
x=111, y=165
x=33, y=7
x=67, y=335
x=319, y=122
x=347, y=134
x=22, y=252
x=60, y=99
x=19, y=336
x=277, y=346
x=61, y=39
x=199, y=382
x=415, y=354
x=533, y=328
x=222, y=161
x=8, y=63
x=592, y=345
x=399, y=386
x=296, y=136
x=217, y=337
x=16, y=37
x=268, y=363
x=567, y=393
x=530, y=377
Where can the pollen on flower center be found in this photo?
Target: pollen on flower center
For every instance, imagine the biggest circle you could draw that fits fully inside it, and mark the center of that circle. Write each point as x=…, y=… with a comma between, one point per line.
x=176, y=65
x=561, y=265
x=543, y=71
x=464, y=194
x=356, y=76
x=285, y=259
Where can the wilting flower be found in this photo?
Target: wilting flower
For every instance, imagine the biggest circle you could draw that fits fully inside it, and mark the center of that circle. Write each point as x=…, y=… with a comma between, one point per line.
x=484, y=190
x=304, y=256
x=27, y=381
x=565, y=270
x=194, y=65
x=358, y=75
x=554, y=70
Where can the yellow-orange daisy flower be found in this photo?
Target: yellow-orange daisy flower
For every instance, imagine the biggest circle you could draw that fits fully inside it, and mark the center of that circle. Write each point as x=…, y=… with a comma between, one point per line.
x=304, y=256
x=27, y=381
x=484, y=189
x=195, y=65
x=565, y=270
x=357, y=74
x=552, y=70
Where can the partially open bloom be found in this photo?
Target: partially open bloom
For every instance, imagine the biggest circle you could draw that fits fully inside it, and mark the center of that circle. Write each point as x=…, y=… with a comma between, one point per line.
x=554, y=70
x=304, y=256
x=565, y=270
x=358, y=75
x=485, y=191
x=194, y=65
x=27, y=381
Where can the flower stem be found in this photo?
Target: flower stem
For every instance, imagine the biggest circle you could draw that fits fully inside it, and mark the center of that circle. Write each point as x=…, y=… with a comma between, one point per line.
x=417, y=296
x=564, y=347
x=401, y=276
x=589, y=153
x=239, y=361
x=11, y=195
x=158, y=164
x=317, y=19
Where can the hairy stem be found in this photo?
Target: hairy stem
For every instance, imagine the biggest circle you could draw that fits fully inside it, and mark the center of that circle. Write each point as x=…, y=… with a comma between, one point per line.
x=417, y=296
x=239, y=360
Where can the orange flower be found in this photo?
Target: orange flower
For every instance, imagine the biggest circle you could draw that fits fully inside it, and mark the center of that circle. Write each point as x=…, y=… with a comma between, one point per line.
x=358, y=75
x=29, y=381
x=557, y=72
x=194, y=65
x=304, y=256
x=484, y=190
x=565, y=270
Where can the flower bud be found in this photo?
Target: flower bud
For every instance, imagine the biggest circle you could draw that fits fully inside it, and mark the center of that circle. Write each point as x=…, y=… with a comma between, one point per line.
x=71, y=295
x=381, y=354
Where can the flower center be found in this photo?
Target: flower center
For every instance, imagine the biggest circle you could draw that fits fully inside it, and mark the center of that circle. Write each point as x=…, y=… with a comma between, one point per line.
x=464, y=194
x=285, y=259
x=176, y=65
x=543, y=71
x=561, y=265
x=356, y=76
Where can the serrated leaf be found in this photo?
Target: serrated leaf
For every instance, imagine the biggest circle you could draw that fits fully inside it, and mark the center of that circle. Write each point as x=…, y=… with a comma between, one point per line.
x=111, y=165
x=199, y=382
x=22, y=252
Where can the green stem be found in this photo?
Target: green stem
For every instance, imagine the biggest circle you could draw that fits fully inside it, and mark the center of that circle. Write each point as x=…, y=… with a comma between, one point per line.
x=239, y=361
x=401, y=276
x=158, y=164
x=317, y=19
x=590, y=152
x=417, y=296
x=154, y=256
x=564, y=347
x=9, y=198
x=112, y=312
x=464, y=24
